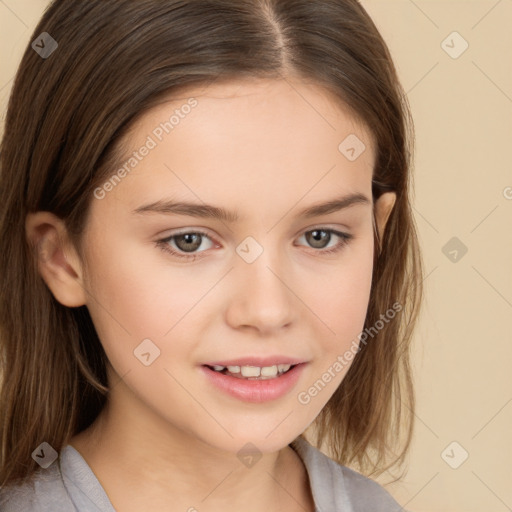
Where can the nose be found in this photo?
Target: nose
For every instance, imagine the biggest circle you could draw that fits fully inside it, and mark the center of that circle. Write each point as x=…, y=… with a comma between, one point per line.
x=262, y=297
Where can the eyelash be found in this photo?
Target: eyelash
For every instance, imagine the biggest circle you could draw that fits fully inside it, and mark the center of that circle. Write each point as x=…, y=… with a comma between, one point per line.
x=163, y=244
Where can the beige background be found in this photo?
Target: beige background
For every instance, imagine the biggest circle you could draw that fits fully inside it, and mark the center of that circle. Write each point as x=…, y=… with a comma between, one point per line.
x=462, y=109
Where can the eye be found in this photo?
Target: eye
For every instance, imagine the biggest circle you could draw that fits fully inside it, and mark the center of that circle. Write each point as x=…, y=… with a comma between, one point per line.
x=186, y=244
x=319, y=238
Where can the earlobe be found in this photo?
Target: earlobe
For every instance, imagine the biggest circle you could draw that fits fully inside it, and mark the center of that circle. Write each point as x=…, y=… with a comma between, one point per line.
x=57, y=261
x=383, y=207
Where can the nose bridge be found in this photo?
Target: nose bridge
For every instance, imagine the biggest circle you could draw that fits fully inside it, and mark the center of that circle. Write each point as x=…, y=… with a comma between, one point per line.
x=260, y=264
x=261, y=298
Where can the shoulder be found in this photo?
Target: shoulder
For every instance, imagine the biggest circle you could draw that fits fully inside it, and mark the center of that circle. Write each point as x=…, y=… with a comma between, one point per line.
x=365, y=492
x=338, y=487
x=43, y=492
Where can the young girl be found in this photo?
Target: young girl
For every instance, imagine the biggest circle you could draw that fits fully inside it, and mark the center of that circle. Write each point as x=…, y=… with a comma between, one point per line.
x=274, y=138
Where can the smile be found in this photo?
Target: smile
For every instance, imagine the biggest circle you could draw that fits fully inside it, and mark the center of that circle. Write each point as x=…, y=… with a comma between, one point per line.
x=252, y=383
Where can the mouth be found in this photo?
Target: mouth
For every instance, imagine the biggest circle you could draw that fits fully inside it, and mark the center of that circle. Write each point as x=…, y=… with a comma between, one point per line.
x=256, y=384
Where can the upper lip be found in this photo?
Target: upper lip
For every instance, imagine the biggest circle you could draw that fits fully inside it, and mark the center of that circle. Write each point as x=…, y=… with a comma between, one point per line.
x=256, y=361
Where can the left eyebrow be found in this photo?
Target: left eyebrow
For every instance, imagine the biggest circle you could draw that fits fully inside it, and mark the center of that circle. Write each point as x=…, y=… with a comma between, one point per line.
x=170, y=207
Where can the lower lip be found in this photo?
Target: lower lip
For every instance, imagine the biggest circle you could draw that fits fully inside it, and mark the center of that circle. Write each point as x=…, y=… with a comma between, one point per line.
x=255, y=391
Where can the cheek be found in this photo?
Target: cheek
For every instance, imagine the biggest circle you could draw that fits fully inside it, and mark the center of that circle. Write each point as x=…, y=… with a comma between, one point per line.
x=136, y=296
x=131, y=288
x=122, y=302
x=341, y=294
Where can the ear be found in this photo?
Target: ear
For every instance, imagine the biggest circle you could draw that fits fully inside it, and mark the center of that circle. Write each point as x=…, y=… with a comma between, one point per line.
x=382, y=208
x=57, y=260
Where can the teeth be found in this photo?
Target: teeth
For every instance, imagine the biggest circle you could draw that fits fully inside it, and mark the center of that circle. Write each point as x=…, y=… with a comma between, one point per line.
x=255, y=371
x=250, y=371
x=269, y=371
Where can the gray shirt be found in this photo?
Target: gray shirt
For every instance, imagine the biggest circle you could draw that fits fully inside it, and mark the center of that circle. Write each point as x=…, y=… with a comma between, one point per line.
x=69, y=485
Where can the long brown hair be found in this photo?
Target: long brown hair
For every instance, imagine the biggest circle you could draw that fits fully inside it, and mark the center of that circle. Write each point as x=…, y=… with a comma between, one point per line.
x=66, y=118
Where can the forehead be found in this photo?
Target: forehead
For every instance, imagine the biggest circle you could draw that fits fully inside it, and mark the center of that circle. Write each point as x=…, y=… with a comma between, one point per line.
x=264, y=109
x=278, y=139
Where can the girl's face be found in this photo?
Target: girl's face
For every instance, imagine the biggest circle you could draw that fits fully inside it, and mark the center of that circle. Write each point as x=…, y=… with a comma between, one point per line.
x=276, y=284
